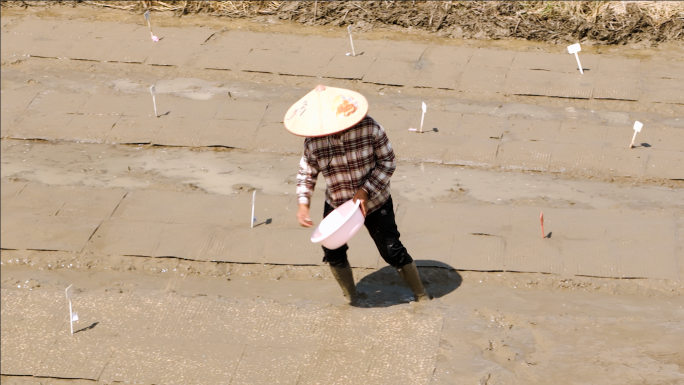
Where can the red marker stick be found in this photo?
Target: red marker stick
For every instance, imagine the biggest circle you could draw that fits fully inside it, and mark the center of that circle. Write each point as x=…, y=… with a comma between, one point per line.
x=541, y=219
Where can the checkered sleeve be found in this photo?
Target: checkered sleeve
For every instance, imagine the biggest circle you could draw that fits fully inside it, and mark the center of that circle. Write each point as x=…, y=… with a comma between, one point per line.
x=306, y=177
x=379, y=179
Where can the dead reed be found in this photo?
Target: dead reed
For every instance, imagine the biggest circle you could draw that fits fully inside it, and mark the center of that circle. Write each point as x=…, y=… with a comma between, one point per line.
x=607, y=22
x=659, y=11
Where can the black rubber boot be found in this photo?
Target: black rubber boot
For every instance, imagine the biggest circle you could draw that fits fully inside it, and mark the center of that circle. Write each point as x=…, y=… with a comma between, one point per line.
x=345, y=278
x=410, y=274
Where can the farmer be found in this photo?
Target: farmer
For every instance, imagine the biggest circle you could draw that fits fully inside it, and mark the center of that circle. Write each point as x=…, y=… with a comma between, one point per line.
x=357, y=161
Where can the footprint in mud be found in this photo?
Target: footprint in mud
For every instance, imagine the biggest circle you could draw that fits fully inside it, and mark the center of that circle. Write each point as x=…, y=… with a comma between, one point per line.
x=243, y=187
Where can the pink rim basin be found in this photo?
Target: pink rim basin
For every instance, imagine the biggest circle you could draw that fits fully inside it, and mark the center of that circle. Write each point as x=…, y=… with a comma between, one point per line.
x=339, y=226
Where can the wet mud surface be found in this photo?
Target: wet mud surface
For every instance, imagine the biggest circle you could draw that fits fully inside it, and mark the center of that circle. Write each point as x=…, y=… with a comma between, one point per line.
x=153, y=320
x=498, y=326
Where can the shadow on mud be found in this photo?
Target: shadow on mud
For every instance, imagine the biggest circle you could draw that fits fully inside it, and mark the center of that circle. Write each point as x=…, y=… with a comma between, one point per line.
x=86, y=328
x=386, y=288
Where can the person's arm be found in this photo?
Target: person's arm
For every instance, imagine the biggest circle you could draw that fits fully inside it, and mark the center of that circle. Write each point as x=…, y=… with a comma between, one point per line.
x=385, y=164
x=306, y=182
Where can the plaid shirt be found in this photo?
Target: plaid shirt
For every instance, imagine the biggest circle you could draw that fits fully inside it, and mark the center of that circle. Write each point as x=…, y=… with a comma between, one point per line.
x=361, y=157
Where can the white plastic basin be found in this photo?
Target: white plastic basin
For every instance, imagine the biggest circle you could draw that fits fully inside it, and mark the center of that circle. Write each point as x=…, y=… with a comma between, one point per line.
x=339, y=226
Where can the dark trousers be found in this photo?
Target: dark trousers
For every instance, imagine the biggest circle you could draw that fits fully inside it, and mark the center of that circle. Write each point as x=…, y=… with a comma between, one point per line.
x=383, y=229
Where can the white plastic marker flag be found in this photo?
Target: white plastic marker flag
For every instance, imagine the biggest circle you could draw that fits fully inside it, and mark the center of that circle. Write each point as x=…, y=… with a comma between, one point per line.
x=72, y=316
x=147, y=18
x=349, y=29
x=422, y=118
x=574, y=49
x=253, y=220
x=637, y=128
x=154, y=101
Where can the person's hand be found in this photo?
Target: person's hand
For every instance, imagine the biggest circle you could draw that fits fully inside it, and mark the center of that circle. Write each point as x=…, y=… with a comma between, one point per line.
x=361, y=195
x=303, y=216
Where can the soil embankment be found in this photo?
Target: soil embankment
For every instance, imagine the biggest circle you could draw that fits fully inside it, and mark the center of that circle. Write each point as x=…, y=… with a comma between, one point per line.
x=596, y=22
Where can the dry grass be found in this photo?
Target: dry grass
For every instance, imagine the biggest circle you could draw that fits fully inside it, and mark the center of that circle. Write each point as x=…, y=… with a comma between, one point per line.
x=218, y=8
x=659, y=11
x=605, y=22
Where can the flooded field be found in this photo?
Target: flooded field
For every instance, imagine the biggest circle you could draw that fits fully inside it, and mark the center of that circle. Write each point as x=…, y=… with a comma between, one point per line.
x=147, y=216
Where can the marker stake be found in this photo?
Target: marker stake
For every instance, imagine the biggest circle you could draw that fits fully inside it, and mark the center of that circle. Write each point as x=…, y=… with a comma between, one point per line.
x=637, y=128
x=147, y=18
x=579, y=64
x=574, y=49
x=72, y=316
x=349, y=29
x=154, y=101
x=541, y=219
x=253, y=217
x=422, y=117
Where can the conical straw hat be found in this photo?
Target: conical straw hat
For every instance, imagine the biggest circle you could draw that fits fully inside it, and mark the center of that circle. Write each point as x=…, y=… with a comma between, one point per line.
x=325, y=111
